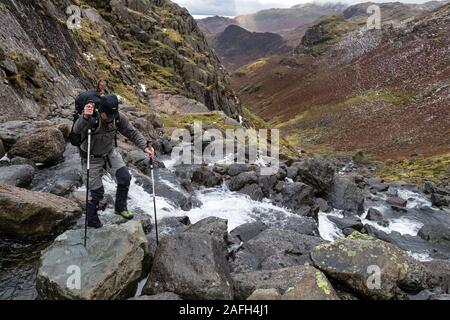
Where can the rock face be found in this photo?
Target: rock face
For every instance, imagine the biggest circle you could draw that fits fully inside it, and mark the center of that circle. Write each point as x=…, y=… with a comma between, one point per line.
x=110, y=268
x=191, y=265
x=27, y=214
x=17, y=176
x=373, y=268
x=46, y=146
x=141, y=47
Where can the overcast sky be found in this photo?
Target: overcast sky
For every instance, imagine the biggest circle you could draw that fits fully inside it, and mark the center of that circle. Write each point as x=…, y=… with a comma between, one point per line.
x=237, y=7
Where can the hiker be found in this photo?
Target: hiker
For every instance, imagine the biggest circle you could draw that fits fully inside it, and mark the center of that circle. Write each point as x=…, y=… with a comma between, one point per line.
x=101, y=115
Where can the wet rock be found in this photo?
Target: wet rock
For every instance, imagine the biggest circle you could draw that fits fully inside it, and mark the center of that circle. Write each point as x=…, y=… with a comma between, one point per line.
x=248, y=231
x=28, y=214
x=298, y=197
x=203, y=176
x=265, y=294
x=353, y=263
x=347, y=223
x=440, y=200
x=437, y=233
x=246, y=283
x=192, y=266
x=345, y=195
x=165, y=296
x=322, y=204
x=278, y=248
x=178, y=197
x=46, y=146
x=396, y=201
x=17, y=175
x=239, y=181
x=65, y=185
x=254, y=191
x=317, y=172
x=442, y=297
x=237, y=168
x=375, y=215
x=111, y=266
x=172, y=225
x=267, y=184
x=211, y=226
x=313, y=285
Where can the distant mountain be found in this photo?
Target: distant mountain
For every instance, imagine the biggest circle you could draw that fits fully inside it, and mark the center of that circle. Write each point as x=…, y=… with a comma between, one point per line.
x=215, y=24
x=274, y=20
x=237, y=46
x=384, y=92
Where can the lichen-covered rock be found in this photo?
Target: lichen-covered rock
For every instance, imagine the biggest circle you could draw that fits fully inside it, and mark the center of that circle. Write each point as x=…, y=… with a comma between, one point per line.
x=313, y=285
x=265, y=294
x=282, y=280
x=373, y=268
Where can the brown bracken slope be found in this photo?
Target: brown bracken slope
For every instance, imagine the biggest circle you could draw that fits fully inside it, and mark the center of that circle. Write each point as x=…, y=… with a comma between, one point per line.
x=386, y=92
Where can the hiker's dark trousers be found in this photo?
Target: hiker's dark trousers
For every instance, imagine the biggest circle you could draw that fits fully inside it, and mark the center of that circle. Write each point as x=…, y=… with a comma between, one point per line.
x=113, y=164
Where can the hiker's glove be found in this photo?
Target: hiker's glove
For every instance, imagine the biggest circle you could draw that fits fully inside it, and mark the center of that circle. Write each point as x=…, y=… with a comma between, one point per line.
x=150, y=151
x=89, y=111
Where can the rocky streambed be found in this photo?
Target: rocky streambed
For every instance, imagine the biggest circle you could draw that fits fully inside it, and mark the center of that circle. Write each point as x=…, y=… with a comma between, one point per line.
x=309, y=231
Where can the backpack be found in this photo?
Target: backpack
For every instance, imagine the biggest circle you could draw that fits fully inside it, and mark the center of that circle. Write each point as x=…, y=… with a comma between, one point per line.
x=80, y=102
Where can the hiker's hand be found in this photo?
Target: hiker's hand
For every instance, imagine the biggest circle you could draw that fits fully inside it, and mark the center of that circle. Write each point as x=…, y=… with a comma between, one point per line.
x=89, y=110
x=150, y=151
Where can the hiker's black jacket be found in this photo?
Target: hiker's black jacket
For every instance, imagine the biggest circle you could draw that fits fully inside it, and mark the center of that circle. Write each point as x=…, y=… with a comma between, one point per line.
x=103, y=137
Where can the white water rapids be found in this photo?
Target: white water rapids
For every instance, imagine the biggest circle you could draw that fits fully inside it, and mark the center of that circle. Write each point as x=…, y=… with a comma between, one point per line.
x=239, y=209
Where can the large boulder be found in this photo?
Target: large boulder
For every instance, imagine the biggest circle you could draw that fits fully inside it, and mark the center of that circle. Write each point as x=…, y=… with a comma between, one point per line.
x=17, y=176
x=203, y=176
x=275, y=248
x=373, y=268
x=212, y=226
x=110, y=267
x=192, y=265
x=317, y=172
x=28, y=214
x=45, y=146
x=297, y=197
x=241, y=180
x=345, y=195
x=315, y=284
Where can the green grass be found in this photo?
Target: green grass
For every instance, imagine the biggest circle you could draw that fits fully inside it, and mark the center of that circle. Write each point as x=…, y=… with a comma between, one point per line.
x=417, y=170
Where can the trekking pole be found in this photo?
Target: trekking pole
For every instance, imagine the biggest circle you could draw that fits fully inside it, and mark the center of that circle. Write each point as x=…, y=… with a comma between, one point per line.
x=88, y=167
x=154, y=199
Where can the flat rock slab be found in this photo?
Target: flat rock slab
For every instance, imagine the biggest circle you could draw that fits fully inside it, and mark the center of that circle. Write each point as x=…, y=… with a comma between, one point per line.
x=28, y=214
x=109, y=268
